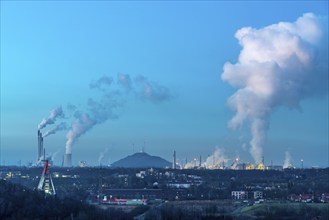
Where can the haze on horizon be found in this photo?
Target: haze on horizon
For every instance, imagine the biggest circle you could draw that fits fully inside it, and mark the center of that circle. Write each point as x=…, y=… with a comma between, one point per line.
x=105, y=79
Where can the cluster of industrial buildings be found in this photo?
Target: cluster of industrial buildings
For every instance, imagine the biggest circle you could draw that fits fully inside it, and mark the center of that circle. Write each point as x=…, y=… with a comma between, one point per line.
x=41, y=154
x=195, y=164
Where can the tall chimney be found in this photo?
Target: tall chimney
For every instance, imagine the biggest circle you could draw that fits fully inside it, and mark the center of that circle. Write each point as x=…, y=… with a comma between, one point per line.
x=40, y=146
x=38, y=149
x=67, y=161
x=174, y=161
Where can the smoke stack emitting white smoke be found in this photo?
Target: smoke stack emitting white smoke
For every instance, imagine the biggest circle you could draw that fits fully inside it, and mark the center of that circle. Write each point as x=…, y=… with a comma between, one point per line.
x=53, y=130
x=54, y=114
x=79, y=126
x=279, y=65
x=112, y=100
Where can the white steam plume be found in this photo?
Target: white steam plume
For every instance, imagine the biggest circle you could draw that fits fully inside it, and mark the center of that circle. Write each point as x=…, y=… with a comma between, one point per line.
x=54, y=114
x=217, y=159
x=53, y=156
x=279, y=65
x=235, y=163
x=101, y=155
x=192, y=164
x=109, y=105
x=59, y=127
x=80, y=126
x=287, y=160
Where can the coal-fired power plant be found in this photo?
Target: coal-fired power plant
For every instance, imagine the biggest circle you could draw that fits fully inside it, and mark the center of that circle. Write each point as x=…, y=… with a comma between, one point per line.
x=40, y=146
x=67, y=160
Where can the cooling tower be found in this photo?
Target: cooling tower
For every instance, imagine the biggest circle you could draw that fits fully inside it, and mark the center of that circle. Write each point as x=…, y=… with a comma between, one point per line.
x=67, y=160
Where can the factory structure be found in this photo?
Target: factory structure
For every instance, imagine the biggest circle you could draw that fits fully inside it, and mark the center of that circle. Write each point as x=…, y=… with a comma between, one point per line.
x=174, y=163
x=41, y=152
x=195, y=164
x=67, y=160
x=222, y=165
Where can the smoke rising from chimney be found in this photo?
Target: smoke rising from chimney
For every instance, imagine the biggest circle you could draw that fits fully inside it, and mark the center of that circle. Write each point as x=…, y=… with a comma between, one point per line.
x=81, y=124
x=113, y=98
x=279, y=65
x=54, y=114
x=59, y=127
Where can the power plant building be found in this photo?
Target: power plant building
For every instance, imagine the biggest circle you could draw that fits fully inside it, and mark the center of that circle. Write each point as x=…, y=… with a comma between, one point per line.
x=67, y=160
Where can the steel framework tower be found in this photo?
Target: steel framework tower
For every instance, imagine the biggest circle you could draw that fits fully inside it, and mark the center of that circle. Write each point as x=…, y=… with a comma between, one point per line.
x=46, y=183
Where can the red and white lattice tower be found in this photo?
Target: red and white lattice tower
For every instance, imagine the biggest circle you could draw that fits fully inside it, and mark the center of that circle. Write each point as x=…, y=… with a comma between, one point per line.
x=46, y=183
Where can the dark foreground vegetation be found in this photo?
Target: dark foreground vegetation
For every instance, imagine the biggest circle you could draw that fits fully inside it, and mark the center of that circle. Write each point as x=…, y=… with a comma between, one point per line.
x=207, y=195
x=272, y=211
x=301, y=211
x=18, y=202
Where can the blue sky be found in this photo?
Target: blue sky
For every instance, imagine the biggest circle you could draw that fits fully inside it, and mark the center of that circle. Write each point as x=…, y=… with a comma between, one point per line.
x=51, y=51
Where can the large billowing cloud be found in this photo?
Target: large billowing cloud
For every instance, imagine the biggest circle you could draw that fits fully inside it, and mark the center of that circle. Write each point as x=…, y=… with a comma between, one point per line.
x=278, y=65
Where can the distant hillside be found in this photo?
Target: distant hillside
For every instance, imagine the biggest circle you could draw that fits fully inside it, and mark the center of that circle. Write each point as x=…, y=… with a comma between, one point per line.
x=142, y=160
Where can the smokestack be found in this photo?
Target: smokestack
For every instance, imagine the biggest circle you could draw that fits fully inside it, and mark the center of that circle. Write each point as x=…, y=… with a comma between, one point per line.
x=174, y=161
x=40, y=146
x=38, y=149
x=200, y=161
x=67, y=161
